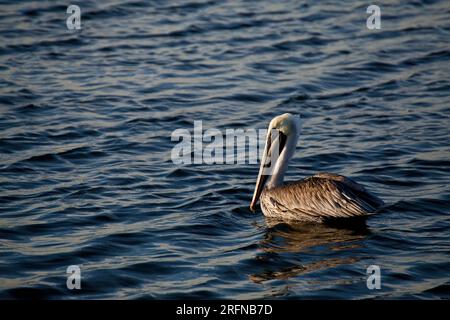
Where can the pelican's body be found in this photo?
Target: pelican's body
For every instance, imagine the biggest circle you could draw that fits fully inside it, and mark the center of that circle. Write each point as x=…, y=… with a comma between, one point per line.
x=319, y=198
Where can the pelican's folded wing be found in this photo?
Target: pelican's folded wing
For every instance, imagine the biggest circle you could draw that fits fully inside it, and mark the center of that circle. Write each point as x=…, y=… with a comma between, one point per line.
x=321, y=197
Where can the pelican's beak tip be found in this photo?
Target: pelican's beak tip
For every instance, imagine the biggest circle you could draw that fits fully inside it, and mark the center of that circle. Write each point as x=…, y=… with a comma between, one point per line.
x=252, y=207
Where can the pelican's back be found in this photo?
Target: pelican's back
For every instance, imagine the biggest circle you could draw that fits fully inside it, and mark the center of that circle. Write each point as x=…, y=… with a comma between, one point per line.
x=318, y=198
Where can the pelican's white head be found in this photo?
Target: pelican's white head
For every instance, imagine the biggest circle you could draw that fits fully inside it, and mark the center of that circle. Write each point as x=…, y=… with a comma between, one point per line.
x=287, y=123
x=281, y=140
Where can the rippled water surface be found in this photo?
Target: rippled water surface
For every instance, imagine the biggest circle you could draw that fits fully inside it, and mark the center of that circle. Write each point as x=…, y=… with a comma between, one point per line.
x=86, y=119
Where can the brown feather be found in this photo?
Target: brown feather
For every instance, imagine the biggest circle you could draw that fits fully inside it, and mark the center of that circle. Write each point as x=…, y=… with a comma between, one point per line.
x=318, y=198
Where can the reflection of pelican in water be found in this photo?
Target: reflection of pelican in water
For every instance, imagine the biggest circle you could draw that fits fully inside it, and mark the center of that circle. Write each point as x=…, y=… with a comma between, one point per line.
x=290, y=240
x=318, y=198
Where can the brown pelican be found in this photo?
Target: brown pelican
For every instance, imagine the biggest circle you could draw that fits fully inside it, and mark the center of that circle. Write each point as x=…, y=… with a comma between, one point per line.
x=322, y=197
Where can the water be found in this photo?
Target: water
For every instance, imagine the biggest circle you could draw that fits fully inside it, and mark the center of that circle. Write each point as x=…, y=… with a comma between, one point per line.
x=86, y=118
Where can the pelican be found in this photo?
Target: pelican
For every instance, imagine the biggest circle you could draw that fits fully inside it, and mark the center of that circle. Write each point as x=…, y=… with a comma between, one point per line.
x=320, y=198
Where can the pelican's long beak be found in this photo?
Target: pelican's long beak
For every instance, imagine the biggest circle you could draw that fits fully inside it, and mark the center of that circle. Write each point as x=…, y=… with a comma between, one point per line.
x=270, y=155
x=260, y=182
x=262, y=175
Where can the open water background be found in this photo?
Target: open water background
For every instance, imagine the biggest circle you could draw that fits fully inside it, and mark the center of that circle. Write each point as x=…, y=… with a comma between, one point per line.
x=86, y=118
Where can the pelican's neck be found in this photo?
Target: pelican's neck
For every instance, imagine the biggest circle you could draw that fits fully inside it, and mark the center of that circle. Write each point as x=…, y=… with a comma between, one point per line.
x=282, y=162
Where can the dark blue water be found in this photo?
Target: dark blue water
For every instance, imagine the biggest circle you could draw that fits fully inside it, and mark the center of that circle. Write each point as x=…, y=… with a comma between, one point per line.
x=85, y=171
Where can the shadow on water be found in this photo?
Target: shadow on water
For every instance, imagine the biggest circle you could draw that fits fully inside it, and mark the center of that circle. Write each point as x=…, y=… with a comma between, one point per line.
x=315, y=247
